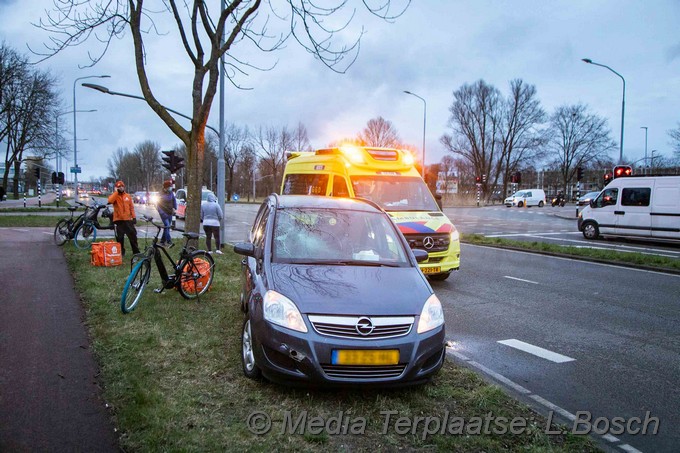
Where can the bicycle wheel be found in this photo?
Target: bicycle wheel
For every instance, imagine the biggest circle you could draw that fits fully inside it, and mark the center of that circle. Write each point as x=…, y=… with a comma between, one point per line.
x=134, y=286
x=196, y=274
x=61, y=231
x=85, y=235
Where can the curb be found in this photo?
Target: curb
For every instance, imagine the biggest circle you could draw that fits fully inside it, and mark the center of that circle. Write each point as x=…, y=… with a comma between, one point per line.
x=664, y=270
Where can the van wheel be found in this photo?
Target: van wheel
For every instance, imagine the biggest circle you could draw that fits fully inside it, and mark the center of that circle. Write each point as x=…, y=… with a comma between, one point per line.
x=540, y=204
x=591, y=231
x=520, y=204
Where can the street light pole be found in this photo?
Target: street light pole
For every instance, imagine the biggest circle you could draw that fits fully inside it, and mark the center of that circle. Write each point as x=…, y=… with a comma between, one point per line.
x=645, y=128
x=623, y=101
x=424, y=124
x=220, y=154
x=75, y=139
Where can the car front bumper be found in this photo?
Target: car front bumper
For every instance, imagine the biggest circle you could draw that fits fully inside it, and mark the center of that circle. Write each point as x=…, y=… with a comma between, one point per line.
x=284, y=355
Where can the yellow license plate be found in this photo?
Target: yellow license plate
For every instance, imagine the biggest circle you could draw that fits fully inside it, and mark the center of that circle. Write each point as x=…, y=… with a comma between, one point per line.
x=365, y=357
x=431, y=270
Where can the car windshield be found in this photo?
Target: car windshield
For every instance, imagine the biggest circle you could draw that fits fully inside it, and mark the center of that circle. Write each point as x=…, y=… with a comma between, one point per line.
x=395, y=193
x=336, y=237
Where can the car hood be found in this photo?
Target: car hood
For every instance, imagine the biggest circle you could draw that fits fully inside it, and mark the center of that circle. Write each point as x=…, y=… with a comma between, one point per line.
x=351, y=290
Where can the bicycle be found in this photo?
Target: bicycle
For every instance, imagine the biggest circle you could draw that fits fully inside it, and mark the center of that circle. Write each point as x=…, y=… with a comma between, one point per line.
x=82, y=229
x=192, y=277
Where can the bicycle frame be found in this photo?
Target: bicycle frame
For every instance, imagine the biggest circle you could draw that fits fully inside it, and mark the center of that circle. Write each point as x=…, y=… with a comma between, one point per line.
x=156, y=252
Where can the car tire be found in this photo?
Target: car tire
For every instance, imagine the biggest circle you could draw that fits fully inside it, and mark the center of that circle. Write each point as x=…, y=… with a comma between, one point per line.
x=590, y=231
x=250, y=368
x=520, y=204
x=540, y=204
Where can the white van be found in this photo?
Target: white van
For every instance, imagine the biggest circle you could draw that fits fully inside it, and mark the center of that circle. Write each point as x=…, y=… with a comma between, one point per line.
x=644, y=206
x=526, y=197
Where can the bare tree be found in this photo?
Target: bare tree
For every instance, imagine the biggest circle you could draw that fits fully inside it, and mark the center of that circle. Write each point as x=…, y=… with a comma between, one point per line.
x=577, y=138
x=271, y=145
x=29, y=110
x=380, y=132
x=206, y=38
x=148, y=153
x=674, y=134
x=521, y=138
x=236, y=143
x=300, y=139
x=476, y=122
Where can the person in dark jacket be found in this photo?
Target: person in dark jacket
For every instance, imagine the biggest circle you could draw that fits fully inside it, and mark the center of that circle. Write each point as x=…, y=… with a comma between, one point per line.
x=167, y=204
x=124, y=218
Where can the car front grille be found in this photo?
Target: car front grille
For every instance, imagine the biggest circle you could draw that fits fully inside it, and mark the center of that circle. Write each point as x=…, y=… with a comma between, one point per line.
x=363, y=372
x=441, y=241
x=351, y=327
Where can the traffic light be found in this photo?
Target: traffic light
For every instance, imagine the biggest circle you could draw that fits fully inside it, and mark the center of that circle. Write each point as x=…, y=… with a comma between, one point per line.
x=172, y=162
x=54, y=177
x=484, y=178
x=36, y=172
x=60, y=177
x=478, y=179
x=179, y=163
x=622, y=170
x=169, y=160
x=579, y=173
x=607, y=178
x=516, y=177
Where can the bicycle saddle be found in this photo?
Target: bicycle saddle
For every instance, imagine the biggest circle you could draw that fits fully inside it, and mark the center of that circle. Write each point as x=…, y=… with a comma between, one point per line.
x=72, y=208
x=190, y=235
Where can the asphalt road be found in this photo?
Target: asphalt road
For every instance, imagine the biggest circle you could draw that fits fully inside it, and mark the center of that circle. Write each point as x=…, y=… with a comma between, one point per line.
x=50, y=399
x=621, y=326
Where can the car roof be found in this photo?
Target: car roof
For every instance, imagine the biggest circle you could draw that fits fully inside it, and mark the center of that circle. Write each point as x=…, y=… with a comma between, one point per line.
x=318, y=202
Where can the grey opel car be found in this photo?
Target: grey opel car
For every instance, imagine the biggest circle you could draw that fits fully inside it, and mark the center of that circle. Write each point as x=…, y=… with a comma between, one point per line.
x=332, y=294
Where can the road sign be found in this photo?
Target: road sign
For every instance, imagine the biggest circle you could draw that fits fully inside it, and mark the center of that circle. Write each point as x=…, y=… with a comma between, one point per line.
x=76, y=169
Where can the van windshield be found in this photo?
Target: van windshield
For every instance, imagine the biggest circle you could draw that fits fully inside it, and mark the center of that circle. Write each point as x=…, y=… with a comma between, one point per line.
x=395, y=193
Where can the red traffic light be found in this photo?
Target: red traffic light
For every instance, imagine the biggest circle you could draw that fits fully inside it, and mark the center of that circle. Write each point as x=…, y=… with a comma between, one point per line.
x=623, y=170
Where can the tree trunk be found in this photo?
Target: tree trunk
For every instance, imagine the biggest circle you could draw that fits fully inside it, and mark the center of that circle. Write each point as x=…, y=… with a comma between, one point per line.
x=230, y=183
x=194, y=167
x=15, y=183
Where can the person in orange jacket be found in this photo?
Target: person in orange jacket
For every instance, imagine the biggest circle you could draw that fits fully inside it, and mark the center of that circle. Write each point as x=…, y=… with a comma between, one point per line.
x=124, y=218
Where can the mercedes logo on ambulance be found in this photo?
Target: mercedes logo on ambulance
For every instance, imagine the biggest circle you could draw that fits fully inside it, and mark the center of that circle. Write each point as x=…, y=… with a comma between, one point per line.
x=428, y=242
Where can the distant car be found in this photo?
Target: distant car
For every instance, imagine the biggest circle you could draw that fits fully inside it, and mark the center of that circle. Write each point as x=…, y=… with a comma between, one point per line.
x=585, y=199
x=139, y=197
x=84, y=196
x=527, y=197
x=332, y=295
x=181, y=196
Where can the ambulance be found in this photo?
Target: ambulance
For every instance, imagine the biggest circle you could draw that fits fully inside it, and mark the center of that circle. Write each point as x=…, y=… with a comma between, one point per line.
x=389, y=178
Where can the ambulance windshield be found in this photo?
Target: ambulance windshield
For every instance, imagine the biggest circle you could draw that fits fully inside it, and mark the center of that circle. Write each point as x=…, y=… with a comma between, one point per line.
x=395, y=193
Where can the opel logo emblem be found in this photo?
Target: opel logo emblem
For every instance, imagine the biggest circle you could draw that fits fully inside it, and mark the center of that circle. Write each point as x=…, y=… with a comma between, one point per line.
x=364, y=326
x=428, y=242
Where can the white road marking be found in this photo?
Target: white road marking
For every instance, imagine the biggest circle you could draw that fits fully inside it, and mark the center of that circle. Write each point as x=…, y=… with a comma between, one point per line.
x=628, y=448
x=20, y=229
x=537, y=351
x=520, y=279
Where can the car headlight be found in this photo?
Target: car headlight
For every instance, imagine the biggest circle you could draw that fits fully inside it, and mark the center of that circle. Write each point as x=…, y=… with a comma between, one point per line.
x=455, y=235
x=278, y=309
x=432, y=315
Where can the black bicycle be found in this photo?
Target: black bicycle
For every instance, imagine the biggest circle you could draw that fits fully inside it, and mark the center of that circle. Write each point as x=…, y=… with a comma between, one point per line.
x=192, y=274
x=83, y=229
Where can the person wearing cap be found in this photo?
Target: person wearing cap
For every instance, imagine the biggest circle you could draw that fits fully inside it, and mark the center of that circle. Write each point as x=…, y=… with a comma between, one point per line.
x=166, y=207
x=211, y=216
x=124, y=218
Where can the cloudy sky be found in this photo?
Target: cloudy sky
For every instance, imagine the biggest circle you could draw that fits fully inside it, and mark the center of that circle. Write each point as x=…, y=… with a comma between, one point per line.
x=434, y=48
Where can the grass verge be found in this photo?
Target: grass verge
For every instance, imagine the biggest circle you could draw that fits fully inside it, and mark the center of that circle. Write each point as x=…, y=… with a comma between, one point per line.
x=610, y=256
x=171, y=371
x=28, y=221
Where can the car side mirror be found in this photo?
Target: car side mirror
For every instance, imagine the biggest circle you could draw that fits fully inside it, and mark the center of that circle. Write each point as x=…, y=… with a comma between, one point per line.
x=421, y=255
x=247, y=249
x=592, y=204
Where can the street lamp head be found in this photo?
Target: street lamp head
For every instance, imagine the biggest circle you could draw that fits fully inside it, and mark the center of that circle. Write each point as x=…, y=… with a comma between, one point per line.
x=407, y=92
x=587, y=60
x=96, y=87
